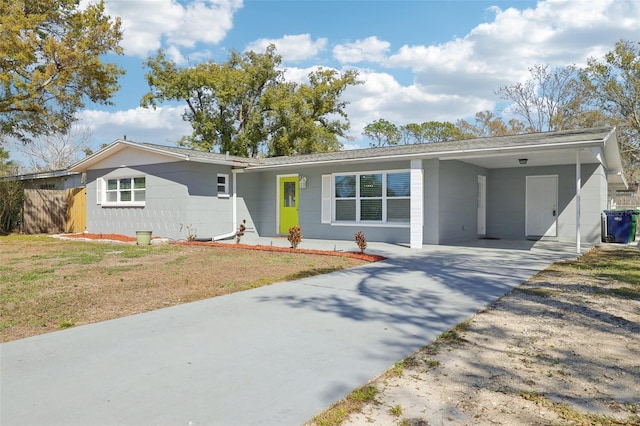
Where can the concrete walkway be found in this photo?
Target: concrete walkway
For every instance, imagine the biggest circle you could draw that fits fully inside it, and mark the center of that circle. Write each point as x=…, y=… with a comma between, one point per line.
x=275, y=355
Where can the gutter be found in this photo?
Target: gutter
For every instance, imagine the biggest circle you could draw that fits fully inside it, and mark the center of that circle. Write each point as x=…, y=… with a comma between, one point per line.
x=234, y=211
x=446, y=155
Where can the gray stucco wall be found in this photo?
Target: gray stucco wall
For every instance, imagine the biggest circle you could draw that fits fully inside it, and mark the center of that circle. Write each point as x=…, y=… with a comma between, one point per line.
x=182, y=194
x=249, y=188
x=458, y=201
x=178, y=195
x=506, y=193
x=264, y=186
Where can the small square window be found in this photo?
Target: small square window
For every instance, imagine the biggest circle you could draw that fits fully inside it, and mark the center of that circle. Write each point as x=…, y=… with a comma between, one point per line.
x=223, y=185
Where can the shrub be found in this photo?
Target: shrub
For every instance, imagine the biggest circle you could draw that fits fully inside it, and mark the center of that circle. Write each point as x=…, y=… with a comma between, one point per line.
x=191, y=233
x=241, y=230
x=361, y=241
x=295, y=236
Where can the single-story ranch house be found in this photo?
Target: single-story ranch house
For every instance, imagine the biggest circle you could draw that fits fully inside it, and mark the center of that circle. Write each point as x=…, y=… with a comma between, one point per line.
x=544, y=185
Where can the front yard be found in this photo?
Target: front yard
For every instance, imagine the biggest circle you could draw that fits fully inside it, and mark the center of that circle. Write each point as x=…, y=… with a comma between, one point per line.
x=48, y=284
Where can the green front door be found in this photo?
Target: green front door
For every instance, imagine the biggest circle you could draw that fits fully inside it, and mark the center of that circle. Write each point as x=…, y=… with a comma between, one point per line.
x=288, y=203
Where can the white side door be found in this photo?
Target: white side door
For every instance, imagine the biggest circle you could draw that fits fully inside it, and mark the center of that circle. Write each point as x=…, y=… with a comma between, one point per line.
x=542, y=206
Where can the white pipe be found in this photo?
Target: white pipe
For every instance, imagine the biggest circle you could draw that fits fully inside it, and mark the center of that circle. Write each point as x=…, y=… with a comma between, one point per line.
x=578, y=199
x=234, y=211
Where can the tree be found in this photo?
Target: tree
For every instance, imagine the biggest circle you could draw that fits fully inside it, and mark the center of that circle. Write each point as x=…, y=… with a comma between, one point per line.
x=550, y=100
x=488, y=125
x=51, y=63
x=244, y=105
x=309, y=118
x=383, y=133
x=613, y=84
x=430, y=131
x=56, y=151
x=5, y=164
x=10, y=194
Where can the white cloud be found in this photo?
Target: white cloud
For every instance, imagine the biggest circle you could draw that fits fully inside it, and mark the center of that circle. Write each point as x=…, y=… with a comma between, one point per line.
x=174, y=54
x=500, y=52
x=150, y=24
x=301, y=75
x=292, y=48
x=444, y=82
x=381, y=96
x=371, y=49
x=163, y=126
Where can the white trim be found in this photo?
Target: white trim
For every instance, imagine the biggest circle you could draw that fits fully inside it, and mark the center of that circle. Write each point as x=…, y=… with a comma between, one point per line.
x=104, y=191
x=416, y=208
x=116, y=205
x=326, y=207
x=119, y=145
x=100, y=184
x=225, y=192
x=373, y=224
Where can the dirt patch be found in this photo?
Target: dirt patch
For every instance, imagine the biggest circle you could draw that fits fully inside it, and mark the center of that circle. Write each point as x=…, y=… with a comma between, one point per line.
x=563, y=348
x=102, y=237
x=47, y=284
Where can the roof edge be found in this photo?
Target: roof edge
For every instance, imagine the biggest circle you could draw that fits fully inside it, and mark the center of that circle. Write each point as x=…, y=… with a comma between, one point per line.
x=120, y=144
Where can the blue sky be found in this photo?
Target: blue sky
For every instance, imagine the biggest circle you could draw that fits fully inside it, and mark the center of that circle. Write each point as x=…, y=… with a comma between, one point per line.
x=421, y=60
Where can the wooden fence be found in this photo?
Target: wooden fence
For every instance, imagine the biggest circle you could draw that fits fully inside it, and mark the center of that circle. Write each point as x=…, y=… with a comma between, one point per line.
x=48, y=211
x=76, y=210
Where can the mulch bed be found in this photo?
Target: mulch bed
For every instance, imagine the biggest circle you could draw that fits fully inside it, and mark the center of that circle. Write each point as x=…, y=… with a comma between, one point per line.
x=126, y=239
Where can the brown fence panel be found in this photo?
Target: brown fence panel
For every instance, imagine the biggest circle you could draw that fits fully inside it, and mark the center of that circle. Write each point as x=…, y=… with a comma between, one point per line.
x=628, y=201
x=76, y=210
x=44, y=211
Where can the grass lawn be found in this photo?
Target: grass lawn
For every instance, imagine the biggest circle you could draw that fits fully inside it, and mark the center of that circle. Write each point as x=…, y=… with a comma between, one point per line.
x=48, y=284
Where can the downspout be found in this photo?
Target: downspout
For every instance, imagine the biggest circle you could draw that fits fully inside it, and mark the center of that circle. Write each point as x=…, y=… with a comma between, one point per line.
x=234, y=210
x=578, y=199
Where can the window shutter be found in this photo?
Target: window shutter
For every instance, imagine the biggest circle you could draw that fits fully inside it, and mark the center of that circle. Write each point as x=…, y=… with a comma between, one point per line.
x=326, y=198
x=99, y=190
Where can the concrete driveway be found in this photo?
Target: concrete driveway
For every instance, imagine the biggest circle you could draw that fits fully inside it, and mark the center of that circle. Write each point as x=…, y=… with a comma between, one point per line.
x=275, y=355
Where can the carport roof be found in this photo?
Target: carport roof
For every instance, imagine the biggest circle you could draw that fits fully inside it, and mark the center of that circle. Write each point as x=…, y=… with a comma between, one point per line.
x=464, y=149
x=598, y=145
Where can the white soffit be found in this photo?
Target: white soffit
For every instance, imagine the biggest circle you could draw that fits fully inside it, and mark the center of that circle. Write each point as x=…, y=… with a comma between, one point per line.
x=533, y=158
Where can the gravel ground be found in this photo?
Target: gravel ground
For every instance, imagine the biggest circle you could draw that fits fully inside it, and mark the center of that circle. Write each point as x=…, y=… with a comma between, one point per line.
x=563, y=348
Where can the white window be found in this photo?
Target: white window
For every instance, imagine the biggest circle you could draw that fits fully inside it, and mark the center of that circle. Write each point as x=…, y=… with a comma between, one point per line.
x=130, y=191
x=223, y=185
x=372, y=197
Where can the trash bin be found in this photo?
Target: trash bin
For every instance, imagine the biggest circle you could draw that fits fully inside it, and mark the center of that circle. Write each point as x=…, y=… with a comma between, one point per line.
x=634, y=224
x=618, y=226
x=143, y=238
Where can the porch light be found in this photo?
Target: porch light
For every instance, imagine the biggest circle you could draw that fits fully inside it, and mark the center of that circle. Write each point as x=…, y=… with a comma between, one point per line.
x=523, y=160
x=303, y=182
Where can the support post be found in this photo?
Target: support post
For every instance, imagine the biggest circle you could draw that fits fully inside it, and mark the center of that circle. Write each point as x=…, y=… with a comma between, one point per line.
x=578, y=199
x=416, y=205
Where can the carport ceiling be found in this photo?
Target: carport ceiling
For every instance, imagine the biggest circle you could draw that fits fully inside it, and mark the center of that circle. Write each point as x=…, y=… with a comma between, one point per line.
x=534, y=159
